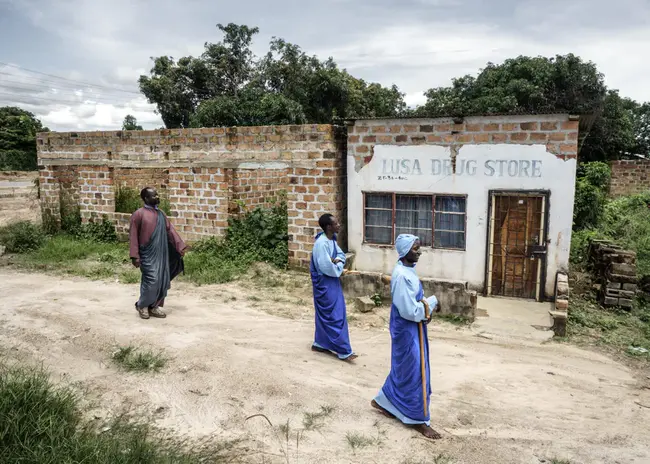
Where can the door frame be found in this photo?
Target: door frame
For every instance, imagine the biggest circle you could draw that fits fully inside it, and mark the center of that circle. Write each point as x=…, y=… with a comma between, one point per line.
x=543, y=260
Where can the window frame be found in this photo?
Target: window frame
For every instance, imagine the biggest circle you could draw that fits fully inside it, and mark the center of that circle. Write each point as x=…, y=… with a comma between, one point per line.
x=433, y=217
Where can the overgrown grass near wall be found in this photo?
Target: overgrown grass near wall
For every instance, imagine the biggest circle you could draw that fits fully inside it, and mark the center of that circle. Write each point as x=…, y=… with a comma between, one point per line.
x=92, y=250
x=626, y=222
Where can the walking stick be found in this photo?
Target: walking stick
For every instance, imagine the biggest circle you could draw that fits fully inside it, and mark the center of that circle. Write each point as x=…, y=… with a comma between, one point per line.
x=422, y=360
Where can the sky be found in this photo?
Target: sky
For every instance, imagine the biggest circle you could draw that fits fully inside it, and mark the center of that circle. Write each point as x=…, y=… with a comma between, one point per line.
x=75, y=63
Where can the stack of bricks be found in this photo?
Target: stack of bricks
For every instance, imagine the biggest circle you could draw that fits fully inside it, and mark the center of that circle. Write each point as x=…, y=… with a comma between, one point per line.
x=629, y=177
x=206, y=170
x=560, y=137
x=615, y=269
x=561, y=306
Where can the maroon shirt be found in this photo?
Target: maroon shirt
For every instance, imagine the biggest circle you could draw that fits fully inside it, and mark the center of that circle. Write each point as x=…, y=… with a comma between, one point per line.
x=143, y=223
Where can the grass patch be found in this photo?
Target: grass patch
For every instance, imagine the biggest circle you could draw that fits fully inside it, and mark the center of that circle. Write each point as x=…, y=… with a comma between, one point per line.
x=314, y=420
x=21, y=237
x=358, y=440
x=42, y=424
x=134, y=360
x=453, y=319
x=619, y=331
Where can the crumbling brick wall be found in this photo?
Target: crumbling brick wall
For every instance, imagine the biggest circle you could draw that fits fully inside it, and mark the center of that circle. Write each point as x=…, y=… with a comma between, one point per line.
x=629, y=177
x=205, y=170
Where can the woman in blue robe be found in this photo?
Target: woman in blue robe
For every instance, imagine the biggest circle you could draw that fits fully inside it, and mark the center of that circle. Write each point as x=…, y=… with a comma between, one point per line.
x=403, y=396
x=327, y=263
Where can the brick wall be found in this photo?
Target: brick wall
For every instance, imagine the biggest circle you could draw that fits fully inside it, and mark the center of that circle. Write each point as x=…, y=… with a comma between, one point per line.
x=560, y=137
x=257, y=187
x=138, y=178
x=205, y=171
x=629, y=177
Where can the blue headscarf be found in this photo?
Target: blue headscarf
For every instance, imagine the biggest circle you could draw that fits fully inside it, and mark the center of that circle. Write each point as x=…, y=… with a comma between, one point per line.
x=404, y=243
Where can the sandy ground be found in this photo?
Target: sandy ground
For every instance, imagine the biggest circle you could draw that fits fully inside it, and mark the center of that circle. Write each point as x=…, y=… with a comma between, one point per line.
x=233, y=356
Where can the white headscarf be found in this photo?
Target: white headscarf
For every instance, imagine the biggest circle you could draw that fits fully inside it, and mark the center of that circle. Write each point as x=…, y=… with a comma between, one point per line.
x=404, y=243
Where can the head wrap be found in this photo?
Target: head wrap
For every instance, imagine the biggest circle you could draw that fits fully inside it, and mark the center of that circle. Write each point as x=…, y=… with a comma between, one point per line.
x=404, y=243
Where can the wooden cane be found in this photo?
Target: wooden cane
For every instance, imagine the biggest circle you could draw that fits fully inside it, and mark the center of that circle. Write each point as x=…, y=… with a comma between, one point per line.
x=422, y=360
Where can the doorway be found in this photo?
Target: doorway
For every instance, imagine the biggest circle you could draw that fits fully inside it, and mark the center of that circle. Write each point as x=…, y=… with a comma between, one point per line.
x=517, y=243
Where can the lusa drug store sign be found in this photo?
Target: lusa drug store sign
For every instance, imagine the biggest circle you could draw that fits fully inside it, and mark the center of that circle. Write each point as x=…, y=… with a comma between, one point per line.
x=402, y=168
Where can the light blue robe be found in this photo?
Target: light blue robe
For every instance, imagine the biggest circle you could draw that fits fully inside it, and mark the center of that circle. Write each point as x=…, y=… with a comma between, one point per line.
x=331, y=322
x=401, y=394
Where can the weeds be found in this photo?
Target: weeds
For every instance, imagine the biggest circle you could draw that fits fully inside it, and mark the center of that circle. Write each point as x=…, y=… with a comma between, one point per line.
x=358, y=440
x=314, y=420
x=618, y=330
x=21, y=237
x=42, y=424
x=453, y=319
x=131, y=359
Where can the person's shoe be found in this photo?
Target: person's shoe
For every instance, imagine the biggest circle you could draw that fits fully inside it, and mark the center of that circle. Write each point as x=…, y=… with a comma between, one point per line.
x=144, y=312
x=156, y=312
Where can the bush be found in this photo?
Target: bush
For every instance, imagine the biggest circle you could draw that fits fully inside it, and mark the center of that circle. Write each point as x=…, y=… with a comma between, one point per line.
x=592, y=184
x=256, y=236
x=21, y=237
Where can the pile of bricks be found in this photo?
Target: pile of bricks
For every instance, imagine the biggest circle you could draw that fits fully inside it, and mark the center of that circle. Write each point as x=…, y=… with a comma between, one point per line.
x=615, y=269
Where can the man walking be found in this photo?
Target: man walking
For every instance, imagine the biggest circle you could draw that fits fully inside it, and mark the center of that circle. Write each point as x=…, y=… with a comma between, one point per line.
x=407, y=390
x=157, y=250
x=327, y=263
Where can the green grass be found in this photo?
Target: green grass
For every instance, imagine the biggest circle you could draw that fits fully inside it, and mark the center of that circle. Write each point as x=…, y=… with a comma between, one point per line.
x=314, y=420
x=358, y=440
x=453, y=319
x=41, y=423
x=132, y=359
x=614, y=330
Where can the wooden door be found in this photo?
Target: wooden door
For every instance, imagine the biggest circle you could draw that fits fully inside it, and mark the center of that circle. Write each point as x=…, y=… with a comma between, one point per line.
x=517, y=244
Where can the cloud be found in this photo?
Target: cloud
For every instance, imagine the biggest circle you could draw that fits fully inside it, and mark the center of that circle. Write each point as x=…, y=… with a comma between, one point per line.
x=67, y=104
x=416, y=44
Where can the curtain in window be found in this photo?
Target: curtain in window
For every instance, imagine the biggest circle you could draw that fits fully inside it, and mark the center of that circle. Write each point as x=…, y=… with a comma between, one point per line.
x=449, y=226
x=413, y=216
x=379, y=218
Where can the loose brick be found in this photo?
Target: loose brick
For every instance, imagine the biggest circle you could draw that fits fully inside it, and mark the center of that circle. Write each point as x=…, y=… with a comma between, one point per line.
x=529, y=126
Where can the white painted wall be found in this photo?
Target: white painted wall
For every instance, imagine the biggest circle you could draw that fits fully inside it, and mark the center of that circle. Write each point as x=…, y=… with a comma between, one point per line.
x=539, y=171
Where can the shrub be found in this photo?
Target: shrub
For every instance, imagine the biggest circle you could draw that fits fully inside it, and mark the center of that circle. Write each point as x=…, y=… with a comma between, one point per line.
x=591, y=194
x=21, y=237
x=127, y=200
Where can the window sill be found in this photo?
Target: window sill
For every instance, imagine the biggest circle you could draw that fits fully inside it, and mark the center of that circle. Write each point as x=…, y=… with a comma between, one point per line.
x=425, y=248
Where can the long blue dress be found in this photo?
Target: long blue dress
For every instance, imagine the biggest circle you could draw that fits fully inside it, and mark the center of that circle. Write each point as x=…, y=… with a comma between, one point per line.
x=401, y=394
x=331, y=322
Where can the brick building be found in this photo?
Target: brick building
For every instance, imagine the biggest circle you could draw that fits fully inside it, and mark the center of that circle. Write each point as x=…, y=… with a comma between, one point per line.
x=629, y=177
x=491, y=197
x=205, y=174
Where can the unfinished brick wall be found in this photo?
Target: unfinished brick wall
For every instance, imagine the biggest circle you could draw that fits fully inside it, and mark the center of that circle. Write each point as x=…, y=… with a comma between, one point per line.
x=205, y=171
x=560, y=136
x=629, y=177
x=257, y=187
x=138, y=178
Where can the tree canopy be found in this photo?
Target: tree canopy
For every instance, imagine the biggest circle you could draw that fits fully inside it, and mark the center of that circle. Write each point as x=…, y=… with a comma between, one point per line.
x=228, y=85
x=130, y=123
x=18, y=129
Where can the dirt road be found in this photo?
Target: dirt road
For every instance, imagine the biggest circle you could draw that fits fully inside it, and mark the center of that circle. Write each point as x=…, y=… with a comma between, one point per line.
x=230, y=360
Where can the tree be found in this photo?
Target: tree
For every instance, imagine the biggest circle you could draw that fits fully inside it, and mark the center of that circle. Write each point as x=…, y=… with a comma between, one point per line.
x=130, y=123
x=229, y=85
x=18, y=129
x=545, y=85
x=640, y=115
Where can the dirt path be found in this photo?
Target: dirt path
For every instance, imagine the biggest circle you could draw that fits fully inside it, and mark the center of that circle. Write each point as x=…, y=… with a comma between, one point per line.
x=494, y=403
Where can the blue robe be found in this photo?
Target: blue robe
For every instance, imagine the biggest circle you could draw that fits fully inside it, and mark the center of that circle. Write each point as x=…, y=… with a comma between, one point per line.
x=331, y=321
x=401, y=394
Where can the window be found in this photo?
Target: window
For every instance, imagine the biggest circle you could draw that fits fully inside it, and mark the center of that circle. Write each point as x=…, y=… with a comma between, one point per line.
x=439, y=220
